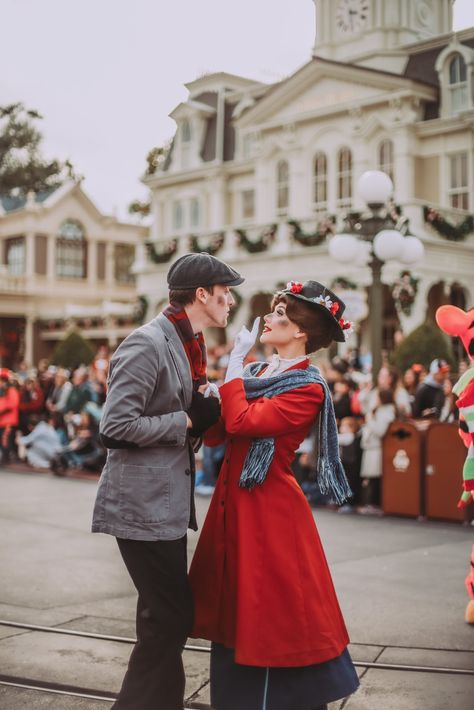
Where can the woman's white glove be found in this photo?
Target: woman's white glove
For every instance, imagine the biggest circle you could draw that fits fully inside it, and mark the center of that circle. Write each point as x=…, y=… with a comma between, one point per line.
x=243, y=344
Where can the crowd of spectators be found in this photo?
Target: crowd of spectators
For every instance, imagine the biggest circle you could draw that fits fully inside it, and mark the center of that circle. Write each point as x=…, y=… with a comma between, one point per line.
x=49, y=418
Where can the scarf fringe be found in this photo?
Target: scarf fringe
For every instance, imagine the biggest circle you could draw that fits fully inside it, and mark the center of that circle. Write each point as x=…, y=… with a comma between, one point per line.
x=331, y=476
x=332, y=480
x=257, y=462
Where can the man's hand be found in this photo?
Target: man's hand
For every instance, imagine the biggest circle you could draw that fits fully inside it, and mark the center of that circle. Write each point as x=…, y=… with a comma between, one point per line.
x=203, y=413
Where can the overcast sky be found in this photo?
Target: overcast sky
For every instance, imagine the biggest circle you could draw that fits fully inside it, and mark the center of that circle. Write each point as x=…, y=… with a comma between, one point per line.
x=105, y=74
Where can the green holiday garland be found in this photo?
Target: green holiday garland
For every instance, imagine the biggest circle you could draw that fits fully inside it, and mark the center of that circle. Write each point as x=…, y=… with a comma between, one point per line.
x=404, y=291
x=312, y=239
x=164, y=254
x=340, y=282
x=140, y=309
x=261, y=243
x=455, y=233
x=214, y=245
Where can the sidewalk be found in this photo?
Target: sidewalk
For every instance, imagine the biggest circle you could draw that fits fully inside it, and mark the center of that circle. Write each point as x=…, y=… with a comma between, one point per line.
x=400, y=584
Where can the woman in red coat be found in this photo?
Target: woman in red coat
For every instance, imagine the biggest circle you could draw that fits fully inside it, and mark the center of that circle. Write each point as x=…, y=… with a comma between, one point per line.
x=262, y=588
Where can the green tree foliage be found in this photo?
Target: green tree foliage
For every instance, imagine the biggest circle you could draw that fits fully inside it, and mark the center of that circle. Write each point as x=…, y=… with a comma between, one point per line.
x=22, y=168
x=422, y=345
x=73, y=351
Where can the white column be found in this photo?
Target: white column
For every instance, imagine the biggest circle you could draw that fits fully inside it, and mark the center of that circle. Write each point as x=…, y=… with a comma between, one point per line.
x=30, y=254
x=217, y=191
x=92, y=262
x=299, y=181
x=28, y=356
x=109, y=265
x=263, y=200
x=51, y=258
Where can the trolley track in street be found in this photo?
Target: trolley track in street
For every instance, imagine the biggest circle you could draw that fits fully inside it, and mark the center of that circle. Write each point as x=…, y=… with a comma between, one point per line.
x=206, y=649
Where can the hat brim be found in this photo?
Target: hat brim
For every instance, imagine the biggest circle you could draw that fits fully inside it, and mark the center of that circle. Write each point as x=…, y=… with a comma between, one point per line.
x=220, y=282
x=339, y=336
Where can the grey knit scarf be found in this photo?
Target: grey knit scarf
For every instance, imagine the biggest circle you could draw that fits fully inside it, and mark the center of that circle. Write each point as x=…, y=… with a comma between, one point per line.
x=330, y=473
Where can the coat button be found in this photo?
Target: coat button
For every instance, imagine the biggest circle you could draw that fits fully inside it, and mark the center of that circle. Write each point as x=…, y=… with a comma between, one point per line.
x=222, y=502
x=187, y=471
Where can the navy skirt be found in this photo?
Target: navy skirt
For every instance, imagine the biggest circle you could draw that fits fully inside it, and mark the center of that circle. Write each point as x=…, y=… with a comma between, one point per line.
x=235, y=687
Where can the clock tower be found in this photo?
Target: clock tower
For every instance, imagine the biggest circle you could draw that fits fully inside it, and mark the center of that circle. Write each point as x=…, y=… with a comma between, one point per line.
x=373, y=32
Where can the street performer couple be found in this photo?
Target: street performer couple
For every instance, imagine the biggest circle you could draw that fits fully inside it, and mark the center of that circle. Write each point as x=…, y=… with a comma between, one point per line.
x=259, y=587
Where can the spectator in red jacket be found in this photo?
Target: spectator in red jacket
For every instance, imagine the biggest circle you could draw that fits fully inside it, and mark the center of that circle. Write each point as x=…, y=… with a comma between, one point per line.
x=31, y=402
x=9, y=415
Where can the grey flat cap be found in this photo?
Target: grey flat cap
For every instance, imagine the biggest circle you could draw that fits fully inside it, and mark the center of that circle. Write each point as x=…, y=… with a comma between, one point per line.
x=194, y=270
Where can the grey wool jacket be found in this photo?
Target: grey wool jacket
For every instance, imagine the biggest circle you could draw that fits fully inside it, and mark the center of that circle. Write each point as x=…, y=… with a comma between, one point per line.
x=146, y=490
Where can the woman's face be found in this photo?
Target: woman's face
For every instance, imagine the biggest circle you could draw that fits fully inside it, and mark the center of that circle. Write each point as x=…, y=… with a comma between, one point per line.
x=278, y=329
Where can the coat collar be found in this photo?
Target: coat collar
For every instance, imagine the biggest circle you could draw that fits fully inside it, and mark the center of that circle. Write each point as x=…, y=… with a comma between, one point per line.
x=177, y=351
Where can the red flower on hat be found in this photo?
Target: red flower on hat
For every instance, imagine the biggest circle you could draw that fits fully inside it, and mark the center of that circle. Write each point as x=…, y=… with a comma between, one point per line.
x=334, y=308
x=295, y=286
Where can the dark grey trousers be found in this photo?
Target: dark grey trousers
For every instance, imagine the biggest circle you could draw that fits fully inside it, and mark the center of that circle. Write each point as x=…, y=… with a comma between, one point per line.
x=155, y=675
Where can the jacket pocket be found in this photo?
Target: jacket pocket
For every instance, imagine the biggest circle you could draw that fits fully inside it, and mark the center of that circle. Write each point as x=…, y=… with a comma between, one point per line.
x=145, y=493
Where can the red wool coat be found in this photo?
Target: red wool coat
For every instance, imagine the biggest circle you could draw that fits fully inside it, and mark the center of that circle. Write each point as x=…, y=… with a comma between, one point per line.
x=259, y=575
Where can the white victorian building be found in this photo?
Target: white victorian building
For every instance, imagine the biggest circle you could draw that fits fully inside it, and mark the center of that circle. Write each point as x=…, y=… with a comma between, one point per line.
x=262, y=175
x=64, y=264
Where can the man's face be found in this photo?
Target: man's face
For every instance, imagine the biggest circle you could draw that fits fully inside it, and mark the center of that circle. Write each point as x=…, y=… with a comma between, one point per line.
x=218, y=305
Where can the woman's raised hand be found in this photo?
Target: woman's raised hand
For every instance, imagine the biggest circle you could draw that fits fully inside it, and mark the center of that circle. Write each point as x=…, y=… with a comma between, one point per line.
x=243, y=344
x=245, y=339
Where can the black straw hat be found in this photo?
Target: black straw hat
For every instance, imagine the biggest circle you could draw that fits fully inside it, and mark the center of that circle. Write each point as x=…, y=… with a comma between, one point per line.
x=194, y=270
x=322, y=298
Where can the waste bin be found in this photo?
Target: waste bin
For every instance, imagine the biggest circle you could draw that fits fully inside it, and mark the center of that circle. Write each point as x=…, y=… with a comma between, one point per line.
x=444, y=460
x=402, y=457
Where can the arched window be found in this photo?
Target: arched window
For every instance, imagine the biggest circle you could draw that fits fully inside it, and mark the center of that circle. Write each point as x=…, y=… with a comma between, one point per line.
x=178, y=215
x=320, y=181
x=194, y=212
x=459, y=181
x=186, y=131
x=283, y=185
x=385, y=158
x=344, y=178
x=71, y=251
x=458, y=88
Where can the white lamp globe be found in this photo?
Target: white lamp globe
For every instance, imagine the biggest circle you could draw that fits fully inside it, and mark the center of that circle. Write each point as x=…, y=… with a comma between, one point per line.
x=388, y=244
x=363, y=254
x=343, y=248
x=413, y=250
x=375, y=187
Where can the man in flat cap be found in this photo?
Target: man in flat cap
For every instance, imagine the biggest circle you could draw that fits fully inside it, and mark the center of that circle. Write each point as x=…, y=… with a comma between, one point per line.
x=154, y=413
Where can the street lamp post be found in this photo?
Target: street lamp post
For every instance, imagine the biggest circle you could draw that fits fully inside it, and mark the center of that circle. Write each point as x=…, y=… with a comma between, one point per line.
x=383, y=242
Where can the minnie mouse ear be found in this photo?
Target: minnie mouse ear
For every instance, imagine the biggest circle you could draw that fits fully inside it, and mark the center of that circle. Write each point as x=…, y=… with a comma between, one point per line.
x=453, y=320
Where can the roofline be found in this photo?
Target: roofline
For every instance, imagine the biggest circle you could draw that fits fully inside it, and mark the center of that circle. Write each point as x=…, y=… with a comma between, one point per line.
x=347, y=68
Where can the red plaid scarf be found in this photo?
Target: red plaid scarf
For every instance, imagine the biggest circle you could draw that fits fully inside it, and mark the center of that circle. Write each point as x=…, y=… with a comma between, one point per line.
x=194, y=345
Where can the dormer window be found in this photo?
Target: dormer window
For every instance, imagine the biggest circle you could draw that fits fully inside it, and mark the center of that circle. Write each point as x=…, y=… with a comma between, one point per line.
x=455, y=67
x=458, y=87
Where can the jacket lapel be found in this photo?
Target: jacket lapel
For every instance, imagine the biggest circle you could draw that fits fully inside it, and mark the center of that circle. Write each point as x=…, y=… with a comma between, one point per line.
x=178, y=356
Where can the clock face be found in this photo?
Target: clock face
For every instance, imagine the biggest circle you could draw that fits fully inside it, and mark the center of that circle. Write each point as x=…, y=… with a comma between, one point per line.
x=352, y=15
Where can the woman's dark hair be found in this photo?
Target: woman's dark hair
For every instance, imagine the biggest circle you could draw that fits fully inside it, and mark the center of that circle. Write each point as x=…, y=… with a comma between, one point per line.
x=186, y=296
x=312, y=321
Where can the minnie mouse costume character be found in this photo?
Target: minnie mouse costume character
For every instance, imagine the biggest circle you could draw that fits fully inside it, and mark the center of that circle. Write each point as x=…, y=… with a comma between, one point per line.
x=456, y=322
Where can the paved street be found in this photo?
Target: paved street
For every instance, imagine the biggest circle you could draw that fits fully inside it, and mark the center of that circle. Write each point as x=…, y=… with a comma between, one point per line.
x=400, y=584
